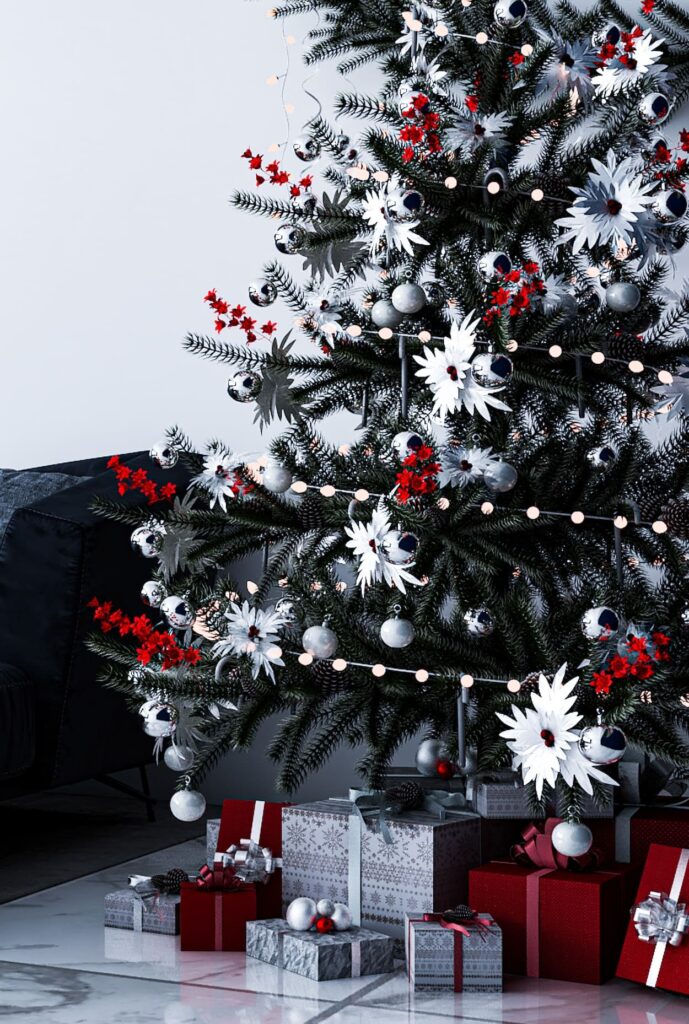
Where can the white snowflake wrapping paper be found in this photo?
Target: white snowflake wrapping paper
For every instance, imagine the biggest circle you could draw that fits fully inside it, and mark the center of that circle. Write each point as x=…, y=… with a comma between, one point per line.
x=431, y=960
x=425, y=866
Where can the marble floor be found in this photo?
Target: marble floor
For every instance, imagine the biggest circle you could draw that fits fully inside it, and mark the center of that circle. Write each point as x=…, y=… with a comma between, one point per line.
x=58, y=965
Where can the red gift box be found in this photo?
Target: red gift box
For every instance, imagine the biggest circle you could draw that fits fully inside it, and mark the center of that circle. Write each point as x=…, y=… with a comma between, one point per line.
x=261, y=822
x=215, y=918
x=559, y=924
x=637, y=828
x=659, y=964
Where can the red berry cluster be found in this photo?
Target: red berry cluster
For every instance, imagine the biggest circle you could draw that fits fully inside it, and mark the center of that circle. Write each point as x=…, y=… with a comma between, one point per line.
x=236, y=317
x=515, y=292
x=153, y=642
x=418, y=475
x=276, y=176
x=138, y=480
x=621, y=669
x=664, y=165
x=421, y=129
x=647, y=6
x=622, y=51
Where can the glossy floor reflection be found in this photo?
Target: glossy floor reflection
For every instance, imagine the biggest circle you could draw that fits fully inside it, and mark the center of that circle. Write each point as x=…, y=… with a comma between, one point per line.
x=58, y=965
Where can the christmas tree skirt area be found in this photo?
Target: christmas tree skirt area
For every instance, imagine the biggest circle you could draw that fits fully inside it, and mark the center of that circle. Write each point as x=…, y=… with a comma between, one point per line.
x=59, y=965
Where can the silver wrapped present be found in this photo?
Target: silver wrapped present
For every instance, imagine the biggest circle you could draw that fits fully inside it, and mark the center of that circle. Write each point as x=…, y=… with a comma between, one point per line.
x=465, y=957
x=126, y=909
x=212, y=833
x=504, y=796
x=348, y=954
x=419, y=860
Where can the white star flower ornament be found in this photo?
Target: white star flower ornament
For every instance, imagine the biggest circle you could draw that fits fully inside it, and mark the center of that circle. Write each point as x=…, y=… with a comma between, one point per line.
x=254, y=632
x=366, y=542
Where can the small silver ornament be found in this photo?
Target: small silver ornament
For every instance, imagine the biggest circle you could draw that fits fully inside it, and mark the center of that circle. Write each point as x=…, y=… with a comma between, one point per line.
x=300, y=914
x=341, y=917
x=553, y=303
x=669, y=205
x=654, y=108
x=602, y=744
x=510, y=13
x=325, y=908
x=397, y=632
x=306, y=148
x=501, y=477
x=492, y=369
x=622, y=296
x=435, y=293
x=188, y=805
x=152, y=593
x=262, y=292
x=429, y=752
x=599, y=623
x=289, y=238
x=177, y=611
x=494, y=263
x=164, y=455
x=384, y=314
x=159, y=719
x=147, y=541
x=305, y=203
x=406, y=443
x=287, y=610
x=572, y=838
x=404, y=206
x=609, y=34
x=244, y=386
x=178, y=758
x=342, y=140
x=320, y=641
x=400, y=546
x=479, y=622
x=408, y=298
x=602, y=457
x=276, y=478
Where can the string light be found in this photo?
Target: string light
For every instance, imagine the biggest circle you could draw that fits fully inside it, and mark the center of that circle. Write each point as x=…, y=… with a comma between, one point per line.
x=526, y=50
x=466, y=680
x=493, y=187
x=441, y=30
x=380, y=176
x=339, y=665
x=636, y=366
x=481, y=38
x=274, y=652
x=555, y=351
x=354, y=331
x=665, y=377
x=362, y=494
x=450, y=182
x=252, y=587
x=328, y=491
x=577, y=517
x=299, y=487
x=598, y=358
x=424, y=336
x=378, y=671
x=443, y=504
x=620, y=522
x=537, y=195
x=513, y=685
x=415, y=25
x=659, y=526
x=385, y=333
x=533, y=512
x=512, y=345
x=305, y=659
x=487, y=507
x=421, y=675
x=289, y=108
x=273, y=148
x=272, y=79
x=291, y=40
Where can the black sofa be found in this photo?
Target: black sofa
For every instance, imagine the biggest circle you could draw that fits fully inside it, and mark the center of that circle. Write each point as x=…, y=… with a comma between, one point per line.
x=58, y=724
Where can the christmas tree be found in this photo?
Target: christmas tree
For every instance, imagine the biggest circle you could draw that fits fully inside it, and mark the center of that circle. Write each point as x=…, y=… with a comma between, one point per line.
x=483, y=280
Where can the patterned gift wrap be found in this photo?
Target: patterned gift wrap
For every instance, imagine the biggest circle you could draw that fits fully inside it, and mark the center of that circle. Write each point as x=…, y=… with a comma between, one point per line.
x=348, y=954
x=212, y=833
x=505, y=799
x=435, y=962
x=328, y=850
x=124, y=909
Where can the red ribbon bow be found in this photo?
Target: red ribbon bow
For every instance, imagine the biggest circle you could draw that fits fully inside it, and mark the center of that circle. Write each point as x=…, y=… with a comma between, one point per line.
x=218, y=878
x=536, y=850
x=483, y=923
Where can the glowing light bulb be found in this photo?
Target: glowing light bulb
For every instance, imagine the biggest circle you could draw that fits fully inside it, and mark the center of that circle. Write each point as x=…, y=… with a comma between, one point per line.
x=533, y=512
x=620, y=522
x=353, y=330
x=450, y=182
x=339, y=664
x=513, y=685
x=415, y=25
x=421, y=675
x=441, y=30
x=425, y=336
x=481, y=38
x=665, y=377
x=512, y=345
x=362, y=494
x=289, y=108
x=526, y=50
x=537, y=195
x=328, y=491
x=493, y=187
x=272, y=80
x=443, y=504
x=273, y=147
x=598, y=358
x=306, y=658
x=300, y=487
x=274, y=652
x=385, y=333
x=636, y=366
x=577, y=517
x=380, y=175
x=252, y=587
x=555, y=351
x=344, y=449
x=291, y=40
x=487, y=508
x=378, y=671
x=466, y=680
x=659, y=526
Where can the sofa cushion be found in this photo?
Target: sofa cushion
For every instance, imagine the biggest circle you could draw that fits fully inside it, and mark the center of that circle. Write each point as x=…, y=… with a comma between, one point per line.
x=17, y=734
x=22, y=487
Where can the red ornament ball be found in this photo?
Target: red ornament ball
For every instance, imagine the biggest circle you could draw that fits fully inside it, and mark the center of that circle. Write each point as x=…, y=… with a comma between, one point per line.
x=446, y=769
x=324, y=925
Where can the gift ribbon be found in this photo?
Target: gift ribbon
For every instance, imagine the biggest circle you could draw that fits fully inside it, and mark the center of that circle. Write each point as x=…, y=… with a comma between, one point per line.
x=536, y=849
x=219, y=878
x=460, y=930
x=147, y=897
x=675, y=920
x=250, y=861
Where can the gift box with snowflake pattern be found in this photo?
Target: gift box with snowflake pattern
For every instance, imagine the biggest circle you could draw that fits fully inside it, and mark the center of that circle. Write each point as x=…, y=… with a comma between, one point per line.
x=328, y=852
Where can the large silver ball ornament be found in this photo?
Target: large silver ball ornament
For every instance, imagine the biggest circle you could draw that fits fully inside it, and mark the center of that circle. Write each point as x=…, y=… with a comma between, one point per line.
x=325, y=908
x=287, y=610
x=177, y=612
x=397, y=633
x=245, y=386
x=494, y=263
x=178, y=758
x=669, y=205
x=188, y=805
x=300, y=913
x=400, y=546
x=622, y=296
x=479, y=622
x=429, y=752
x=404, y=206
x=609, y=34
x=152, y=593
x=408, y=298
x=599, y=623
x=491, y=369
x=341, y=917
x=603, y=457
x=510, y=13
x=262, y=292
x=305, y=203
x=147, y=541
x=654, y=108
x=384, y=314
x=501, y=477
x=289, y=238
x=164, y=455
x=572, y=838
x=602, y=744
x=320, y=641
x=159, y=719
x=306, y=148
x=406, y=443
x=276, y=478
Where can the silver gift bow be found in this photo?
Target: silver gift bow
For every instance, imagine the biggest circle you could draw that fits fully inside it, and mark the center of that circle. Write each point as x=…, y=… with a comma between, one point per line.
x=251, y=861
x=660, y=919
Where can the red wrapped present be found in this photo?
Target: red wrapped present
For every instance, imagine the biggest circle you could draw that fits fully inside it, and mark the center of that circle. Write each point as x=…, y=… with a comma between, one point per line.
x=656, y=946
x=214, y=911
x=556, y=922
x=637, y=828
x=250, y=840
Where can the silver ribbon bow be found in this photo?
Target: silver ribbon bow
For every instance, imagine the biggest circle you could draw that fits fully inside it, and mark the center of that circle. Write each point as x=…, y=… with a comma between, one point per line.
x=660, y=919
x=251, y=861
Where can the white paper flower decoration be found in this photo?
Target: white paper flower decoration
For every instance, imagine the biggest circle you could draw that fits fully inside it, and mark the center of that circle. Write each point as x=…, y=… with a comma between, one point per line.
x=462, y=466
x=617, y=74
x=366, y=542
x=219, y=477
x=398, y=234
x=254, y=632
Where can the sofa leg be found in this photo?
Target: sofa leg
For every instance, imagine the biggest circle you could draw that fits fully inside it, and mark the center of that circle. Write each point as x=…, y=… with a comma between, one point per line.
x=143, y=794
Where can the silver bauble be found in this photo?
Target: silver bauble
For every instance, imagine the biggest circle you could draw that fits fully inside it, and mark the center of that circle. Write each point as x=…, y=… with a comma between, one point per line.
x=404, y=206
x=148, y=540
x=178, y=758
x=553, y=304
x=262, y=292
x=435, y=293
x=669, y=205
x=492, y=369
x=341, y=917
x=572, y=838
x=306, y=148
x=602, y=744
x=159, y=719
x=342, y=140
x=494, y=263
x=406, y=443
x=408, y=298
x=654, y=108
x=321, y=641
x=496, y=176
x=164, y=455
x=289, y=239
x=622, y=296
x=325, y=908
x=602, y=457
x=177, y=612
x=152, y=593
x=276, y=478
x=188, y=805
x=244, y=386
x=287, y=610
x=305, y=203
x=300, y=914
x=479, y=622
x=429, y=752
x=501, y=477
x=610, y=33
x=599, y=623
x=384, y=314
x=510, y=13
x=397, y=633
x=400, y=546
x=684, y=616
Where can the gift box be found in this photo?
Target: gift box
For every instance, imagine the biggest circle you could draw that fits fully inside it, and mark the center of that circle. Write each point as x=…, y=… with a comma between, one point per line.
x=151, y=913
x=330, y=850
x=637, y=828
x=348, y=954
x=215, y=918
x=656, y=945
x=260, y=823
x=212, y=833
x=464, y=957
x=395, y=776
x=505, y=797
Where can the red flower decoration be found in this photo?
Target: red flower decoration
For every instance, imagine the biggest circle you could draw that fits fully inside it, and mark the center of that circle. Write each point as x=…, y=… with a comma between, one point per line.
x=153, y=642
x=139, y=481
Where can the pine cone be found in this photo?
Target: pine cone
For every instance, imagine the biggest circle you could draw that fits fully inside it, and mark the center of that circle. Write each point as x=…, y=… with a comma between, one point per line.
x=170, y=882
x=676, y=516
x=405, y=797
x=650, y=496
x=459, y=913
x=310, y=512
x=530, y=681
x=625, y=346
x=324, y=676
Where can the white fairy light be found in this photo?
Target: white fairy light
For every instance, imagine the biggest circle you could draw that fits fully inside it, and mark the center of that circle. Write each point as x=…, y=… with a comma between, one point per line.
x=598, y=358
x=526, y=50
x=272, y=80
x=339, y=664
x=252, y=587
x=665, y=377
x=450, y=182
x=380, y=176
x=533, y=512
x=299, y=487
x=425, y=336
x=487, y=508
x=328, y=491
x=537, y=195
x=481, y=38
x=636, y=366
x=385, y=333
x=555, y=351
x=353, y=330
x=441, y=30
x=415, y=25
x=274, y=652
x=443, y=504
x=361, y=494
x=466, y=680
x=378, y=671
x=659, y=526
x=577, y=517
x=305, y=659
x=289, y=108
x=513, y=685
x=620, y=522
x=493, y=187
x=512, y=345
x=421, y=675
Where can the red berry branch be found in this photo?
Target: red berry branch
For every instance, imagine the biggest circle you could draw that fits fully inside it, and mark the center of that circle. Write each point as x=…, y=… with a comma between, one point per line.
x=138, y=480
x=153, y=642
x=276, y=176
x=638, y=665
x=420, y=133
x=418, y=475
x=235, y=316
x=515, y=292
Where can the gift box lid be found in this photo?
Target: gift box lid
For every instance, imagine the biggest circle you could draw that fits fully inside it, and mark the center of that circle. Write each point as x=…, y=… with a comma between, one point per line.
x=339, y=807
